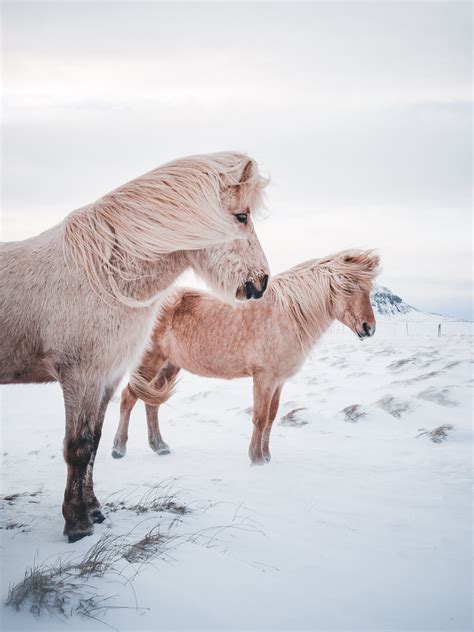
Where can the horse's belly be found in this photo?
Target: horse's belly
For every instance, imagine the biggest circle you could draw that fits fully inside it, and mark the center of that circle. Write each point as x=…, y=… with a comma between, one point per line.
x=23, y=365
x=213, y=367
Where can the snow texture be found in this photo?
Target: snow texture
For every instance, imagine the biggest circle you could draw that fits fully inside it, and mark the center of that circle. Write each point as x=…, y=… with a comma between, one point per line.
x=362, y=520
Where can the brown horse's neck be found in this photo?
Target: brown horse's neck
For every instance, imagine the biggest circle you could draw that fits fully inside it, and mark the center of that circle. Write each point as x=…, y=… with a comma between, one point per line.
x=319, y=318
x=308, y=305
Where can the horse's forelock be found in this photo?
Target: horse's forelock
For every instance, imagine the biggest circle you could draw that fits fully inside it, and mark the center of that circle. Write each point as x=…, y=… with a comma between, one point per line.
x=354, y=269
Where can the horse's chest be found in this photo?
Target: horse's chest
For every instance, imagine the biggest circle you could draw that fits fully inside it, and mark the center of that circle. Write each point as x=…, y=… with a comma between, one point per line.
x=127, y=344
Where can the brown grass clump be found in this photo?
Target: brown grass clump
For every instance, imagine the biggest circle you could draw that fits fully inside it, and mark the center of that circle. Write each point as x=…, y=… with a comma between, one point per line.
x=293, y=419
x=437, y=435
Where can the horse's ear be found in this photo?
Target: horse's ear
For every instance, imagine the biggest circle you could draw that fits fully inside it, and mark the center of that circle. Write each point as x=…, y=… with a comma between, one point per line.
x=375, y=261
x=369, y=260
x=247, y=172
x=372, y=261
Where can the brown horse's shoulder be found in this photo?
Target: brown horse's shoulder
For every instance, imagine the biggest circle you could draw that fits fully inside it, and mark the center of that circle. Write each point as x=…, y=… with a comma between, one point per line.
x=187, y=302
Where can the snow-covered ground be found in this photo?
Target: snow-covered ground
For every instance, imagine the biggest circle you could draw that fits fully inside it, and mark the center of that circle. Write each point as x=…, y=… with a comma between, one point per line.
x=360, y=522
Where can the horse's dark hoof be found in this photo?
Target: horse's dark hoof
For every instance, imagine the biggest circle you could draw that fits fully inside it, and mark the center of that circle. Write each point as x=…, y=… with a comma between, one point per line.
x=74, y=537
x=78, y=529
x=117, y=455
x=161, y=449
x=267, y=458
x=97, y=516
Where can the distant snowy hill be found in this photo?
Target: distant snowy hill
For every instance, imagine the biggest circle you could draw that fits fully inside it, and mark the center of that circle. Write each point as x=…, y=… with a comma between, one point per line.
x=388, y=305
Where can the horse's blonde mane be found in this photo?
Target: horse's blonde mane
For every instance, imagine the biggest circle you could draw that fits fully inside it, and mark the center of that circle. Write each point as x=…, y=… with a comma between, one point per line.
x=306, y=291
x=174, y=207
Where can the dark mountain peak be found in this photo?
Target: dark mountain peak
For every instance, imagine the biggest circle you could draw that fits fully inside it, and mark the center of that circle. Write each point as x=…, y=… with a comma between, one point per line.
x=386, y=303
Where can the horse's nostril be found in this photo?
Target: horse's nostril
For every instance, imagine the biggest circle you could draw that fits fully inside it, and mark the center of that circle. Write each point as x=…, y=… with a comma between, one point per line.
x=249, y=289
x=369, y=330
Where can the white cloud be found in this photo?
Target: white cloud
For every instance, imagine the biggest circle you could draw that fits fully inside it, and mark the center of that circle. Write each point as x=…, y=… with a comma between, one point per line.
x=361, y=113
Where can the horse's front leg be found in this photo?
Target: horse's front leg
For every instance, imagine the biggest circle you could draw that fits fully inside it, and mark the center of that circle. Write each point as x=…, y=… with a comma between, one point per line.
x=91, y=499
x=275, y=402
x=262, y=394
x=82, y=401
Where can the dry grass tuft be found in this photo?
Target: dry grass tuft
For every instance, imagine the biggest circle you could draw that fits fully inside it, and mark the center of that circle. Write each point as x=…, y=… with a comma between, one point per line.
x=50, y=588
x=292, y=419
x=12, y=497
x=394, y=406
x=148, y=547
x=62, y=588
x=353, y=413
x=437, y=435
x=68, y=587
x=160, y=498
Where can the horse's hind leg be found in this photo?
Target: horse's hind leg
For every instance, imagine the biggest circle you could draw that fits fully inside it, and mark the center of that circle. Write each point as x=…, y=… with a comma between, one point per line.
x=155, y=439
x=127, y=402
x=268, y=428
x=83, y=407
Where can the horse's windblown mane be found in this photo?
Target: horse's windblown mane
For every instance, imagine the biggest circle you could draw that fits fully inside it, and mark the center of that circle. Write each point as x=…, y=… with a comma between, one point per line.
x=174, y=207
x=303, y=291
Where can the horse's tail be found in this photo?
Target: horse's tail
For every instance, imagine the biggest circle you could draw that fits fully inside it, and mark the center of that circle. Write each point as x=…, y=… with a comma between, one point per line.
x=146, y=390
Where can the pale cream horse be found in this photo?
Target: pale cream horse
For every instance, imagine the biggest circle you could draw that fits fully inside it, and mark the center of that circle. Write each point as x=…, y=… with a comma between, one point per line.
x=268, y=340
x=78, y=302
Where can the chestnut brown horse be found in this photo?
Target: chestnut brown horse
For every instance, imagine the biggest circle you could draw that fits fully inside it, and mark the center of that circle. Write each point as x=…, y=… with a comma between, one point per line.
x=78, y=302
x=268, y=340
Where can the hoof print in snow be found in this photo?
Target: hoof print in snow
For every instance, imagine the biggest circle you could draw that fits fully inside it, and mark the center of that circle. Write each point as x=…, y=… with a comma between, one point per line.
x=353, y=413
x=393, y=406
x=437, y=435
x=438, y=396
x=293, y=419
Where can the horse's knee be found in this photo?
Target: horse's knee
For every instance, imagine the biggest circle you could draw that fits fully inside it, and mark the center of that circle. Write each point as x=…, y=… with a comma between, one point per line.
x=78, y=449
x=258, y=423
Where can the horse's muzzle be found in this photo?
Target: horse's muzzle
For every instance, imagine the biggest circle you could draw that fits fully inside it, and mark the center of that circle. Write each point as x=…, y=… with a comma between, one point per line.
x=367, y=331
x=253, y=289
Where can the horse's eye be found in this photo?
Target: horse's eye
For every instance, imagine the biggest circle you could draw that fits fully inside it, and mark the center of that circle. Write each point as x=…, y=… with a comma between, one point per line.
x=242, y=217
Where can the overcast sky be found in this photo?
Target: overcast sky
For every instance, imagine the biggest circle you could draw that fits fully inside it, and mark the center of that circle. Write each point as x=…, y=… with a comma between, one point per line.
x=359, y=112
